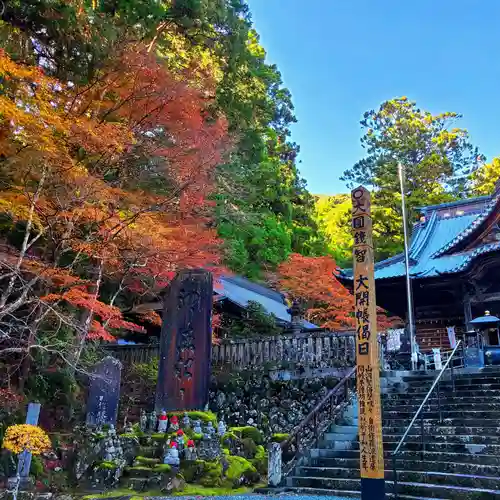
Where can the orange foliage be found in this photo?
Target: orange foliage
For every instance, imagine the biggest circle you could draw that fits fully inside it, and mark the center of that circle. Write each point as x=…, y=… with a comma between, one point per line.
x=311, y=281
x=123, y=168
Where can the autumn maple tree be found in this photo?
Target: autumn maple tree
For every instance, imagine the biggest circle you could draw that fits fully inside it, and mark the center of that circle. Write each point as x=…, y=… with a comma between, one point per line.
x=103, y=196
x=312, y=282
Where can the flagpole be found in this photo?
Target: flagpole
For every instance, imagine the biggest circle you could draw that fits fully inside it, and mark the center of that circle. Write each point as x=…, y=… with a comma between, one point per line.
x=409, y=298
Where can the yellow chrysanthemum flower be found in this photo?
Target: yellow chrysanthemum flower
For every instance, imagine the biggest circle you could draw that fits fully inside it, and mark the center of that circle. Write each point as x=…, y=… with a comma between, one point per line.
x=25, y=437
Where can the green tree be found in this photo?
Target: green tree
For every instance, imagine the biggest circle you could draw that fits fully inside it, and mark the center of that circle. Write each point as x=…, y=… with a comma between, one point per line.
x=485, y=178
x=438, y=160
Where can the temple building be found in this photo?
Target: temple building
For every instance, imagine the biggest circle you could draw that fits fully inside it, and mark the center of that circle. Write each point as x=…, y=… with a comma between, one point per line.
x=454, y=267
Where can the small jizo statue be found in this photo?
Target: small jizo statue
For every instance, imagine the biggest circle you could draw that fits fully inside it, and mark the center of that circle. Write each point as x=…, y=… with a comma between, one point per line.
x=221, y=428
x=143, y=421
x=172, y=455
x=197, y=427
x=190, y=452
x=152, y=421
x=162, y=422
x=209, y=431
x=174, y=423
x=186, y=421
x=180, y=439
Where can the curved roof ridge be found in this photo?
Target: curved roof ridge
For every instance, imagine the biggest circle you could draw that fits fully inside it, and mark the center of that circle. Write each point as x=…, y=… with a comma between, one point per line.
x=423, y=237
x=470, y=229
x=456, y=203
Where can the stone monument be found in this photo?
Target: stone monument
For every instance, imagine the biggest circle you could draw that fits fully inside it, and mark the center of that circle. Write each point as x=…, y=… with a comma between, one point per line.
x=104, y=392
x=186, y=343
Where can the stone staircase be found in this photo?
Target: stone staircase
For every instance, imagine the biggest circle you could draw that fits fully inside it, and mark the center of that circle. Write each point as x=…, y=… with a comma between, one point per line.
x=462, y=453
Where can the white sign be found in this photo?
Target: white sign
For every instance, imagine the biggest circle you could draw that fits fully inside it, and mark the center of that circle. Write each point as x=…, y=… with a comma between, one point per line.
x=438, y=365
x=451, y=336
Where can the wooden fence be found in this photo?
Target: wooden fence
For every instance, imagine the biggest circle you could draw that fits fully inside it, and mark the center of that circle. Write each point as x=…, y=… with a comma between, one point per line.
x=317, y=348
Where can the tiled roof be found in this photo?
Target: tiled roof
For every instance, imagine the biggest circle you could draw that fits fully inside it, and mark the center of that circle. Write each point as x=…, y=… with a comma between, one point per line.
x=241, y=291
x=431, y=249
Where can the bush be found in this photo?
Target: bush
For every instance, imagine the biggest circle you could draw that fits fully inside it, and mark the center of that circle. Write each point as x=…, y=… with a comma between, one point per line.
x=36, y=468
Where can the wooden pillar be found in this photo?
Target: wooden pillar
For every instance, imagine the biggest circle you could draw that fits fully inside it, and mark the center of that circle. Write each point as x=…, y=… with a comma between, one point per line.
x=367, y=357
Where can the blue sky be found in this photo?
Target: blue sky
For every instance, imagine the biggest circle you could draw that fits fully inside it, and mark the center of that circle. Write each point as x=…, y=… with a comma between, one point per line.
x=340, y=58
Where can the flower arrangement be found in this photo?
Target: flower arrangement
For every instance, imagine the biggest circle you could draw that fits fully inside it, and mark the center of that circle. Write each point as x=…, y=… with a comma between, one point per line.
x=25, y=437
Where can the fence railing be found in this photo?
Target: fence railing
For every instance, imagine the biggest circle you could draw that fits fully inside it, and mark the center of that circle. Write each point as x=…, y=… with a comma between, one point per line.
x=309, y=348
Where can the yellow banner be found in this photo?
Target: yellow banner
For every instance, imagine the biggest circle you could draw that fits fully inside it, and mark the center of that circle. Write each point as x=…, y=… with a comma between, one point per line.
x=367, y=355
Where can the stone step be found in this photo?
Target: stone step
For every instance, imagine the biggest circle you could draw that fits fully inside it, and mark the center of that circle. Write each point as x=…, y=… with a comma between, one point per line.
x=405, y=454
x=415, y=464
x=443, y=430
x=455, y=422
x=403, y=475
x=430, y=435
x=446, y=386
x=460, y=379
x=445, y=405
x=446, y=392
x=426, y=490
x=433, y=414
x=416, y=445
x=450, y=398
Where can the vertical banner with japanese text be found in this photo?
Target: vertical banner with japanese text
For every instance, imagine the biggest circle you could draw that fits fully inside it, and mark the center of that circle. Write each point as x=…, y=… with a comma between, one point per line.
x=367, y=350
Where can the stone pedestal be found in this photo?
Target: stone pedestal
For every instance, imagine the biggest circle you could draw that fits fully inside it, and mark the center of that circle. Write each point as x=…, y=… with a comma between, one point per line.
x=274, y=465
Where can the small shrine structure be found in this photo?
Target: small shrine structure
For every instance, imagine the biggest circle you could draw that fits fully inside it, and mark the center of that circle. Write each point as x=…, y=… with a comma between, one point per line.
x=454, y=268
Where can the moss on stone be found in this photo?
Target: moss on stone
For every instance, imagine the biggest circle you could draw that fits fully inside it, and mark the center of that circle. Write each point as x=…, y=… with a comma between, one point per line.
x=260, y=460
x=192, y=469
x=212, y=474
x=239, y=469
x=159, y=436
x=162, y=468
x=197, y=437
x=146, y=460
x=204, y=416
x=279, y=438
x=249, y=432
x=192, y=490
x=107, y=465
x=128, y=435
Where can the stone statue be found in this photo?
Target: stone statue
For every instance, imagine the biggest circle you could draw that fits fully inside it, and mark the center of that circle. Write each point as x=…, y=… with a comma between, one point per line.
x=162, y=422
x=180, y=439
x=172, y=455
x=143, y=421
x=186, y=421
x=190, y=452
x=174, y=423
x=222, y=428
x=109, y=450
x=152, y=421
x=209, y=431
x=197, y=427
x=129, y=429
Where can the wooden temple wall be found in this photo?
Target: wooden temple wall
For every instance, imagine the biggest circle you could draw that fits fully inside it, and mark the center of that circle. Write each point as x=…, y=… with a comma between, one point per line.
x=433, y=334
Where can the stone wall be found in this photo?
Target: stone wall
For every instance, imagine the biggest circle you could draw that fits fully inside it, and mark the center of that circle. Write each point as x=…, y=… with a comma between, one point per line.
x=274, y=406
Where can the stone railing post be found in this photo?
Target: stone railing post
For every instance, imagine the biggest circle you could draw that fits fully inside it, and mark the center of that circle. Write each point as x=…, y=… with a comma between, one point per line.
x=274, y=471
